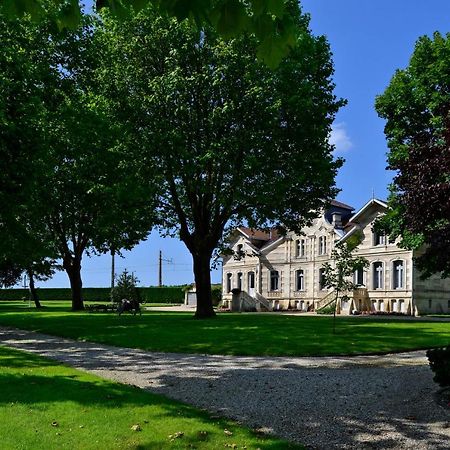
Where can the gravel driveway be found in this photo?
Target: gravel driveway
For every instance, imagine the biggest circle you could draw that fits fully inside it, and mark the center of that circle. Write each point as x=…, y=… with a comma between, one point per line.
x=362, y=402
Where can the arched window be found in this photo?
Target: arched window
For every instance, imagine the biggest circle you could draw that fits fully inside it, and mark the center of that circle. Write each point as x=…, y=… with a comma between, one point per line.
x=251, y=280
x=229, y=281
x=377, y=275
x=300, y=280
x=239, y=281
x=398, y=275
x=358, y=277
x=322, y=278
x=274, y=280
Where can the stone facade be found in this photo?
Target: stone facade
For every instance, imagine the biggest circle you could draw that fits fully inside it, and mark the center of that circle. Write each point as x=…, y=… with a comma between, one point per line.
x=285, y=271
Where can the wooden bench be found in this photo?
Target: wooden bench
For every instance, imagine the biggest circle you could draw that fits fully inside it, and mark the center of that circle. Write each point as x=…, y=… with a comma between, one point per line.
x=101, y=307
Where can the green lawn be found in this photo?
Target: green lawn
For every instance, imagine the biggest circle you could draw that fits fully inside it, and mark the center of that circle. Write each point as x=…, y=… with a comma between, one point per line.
x=44, y=405
x=230, y=334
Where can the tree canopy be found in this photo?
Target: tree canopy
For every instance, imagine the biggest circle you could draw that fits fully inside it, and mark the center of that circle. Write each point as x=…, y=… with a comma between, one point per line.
x=230, y=141
x=269, y=20
x=68, y=187
x=416, y=107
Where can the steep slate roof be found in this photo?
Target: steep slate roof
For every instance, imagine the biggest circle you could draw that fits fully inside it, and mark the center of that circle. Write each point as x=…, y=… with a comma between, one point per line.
x=341, y=205
x=260, y=238
x=259, y=235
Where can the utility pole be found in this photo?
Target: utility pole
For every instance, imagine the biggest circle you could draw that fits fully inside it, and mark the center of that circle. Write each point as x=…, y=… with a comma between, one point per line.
x=160, y=262
x=160, y=269
x=112, y=269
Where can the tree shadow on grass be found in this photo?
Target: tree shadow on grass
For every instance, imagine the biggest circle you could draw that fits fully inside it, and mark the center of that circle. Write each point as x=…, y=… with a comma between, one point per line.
x=38, y=383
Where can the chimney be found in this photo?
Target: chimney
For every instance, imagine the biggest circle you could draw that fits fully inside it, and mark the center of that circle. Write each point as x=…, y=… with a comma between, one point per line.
x=337, y=220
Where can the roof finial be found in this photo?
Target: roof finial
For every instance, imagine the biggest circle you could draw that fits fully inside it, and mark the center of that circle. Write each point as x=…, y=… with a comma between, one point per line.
x=373, y=194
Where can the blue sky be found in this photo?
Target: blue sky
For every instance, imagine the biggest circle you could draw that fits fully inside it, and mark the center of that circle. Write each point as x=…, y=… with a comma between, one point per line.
x=369, y=41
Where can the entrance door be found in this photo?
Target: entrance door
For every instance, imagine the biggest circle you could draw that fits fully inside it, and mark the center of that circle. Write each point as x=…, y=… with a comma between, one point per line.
x=251, y=284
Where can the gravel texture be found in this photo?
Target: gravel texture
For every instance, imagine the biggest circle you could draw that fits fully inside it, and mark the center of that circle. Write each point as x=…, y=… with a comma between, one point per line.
x=362, y=402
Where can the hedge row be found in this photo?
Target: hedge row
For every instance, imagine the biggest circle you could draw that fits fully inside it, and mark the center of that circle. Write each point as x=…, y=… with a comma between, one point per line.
x=171, y=294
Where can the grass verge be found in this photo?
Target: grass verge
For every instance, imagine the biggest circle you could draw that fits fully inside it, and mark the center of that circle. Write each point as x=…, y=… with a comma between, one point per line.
x=45, y=405
x=231, y=334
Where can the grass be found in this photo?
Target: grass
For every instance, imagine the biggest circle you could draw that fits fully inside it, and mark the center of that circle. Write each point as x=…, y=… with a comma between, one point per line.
x=45, y=405
x=231, y=334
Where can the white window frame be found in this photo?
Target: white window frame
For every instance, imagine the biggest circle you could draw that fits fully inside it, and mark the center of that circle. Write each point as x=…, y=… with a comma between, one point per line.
x=322, y=245
x=300, y=248
x=277, y=277
x=379, y=275
x=229, y=282
x=299, y=275
x=395, y=272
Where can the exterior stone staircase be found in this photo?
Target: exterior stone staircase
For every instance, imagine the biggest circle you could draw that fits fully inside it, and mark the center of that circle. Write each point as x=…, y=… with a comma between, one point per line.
x=263, y=302
x=245, y=302
x=325, y=301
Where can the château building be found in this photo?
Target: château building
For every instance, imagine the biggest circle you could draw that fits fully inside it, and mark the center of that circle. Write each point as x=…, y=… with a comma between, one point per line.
x=281, y=272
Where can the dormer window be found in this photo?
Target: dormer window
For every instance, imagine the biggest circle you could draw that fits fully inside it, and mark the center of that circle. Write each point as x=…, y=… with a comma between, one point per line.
x=322, y=245
x=379, y=238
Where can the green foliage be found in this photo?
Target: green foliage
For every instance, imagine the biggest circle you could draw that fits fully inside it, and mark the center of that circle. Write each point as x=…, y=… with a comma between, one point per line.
x=439, y=359
x=329, y=309
x=339, y=274
x=416, y=107
x=126, y=288
x=216, y=294
x=25, y=72
x=229, y=138
x=270, y=20
x=85, y=194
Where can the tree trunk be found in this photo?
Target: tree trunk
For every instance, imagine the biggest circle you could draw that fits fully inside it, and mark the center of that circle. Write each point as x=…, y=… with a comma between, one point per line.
x=32, y=289
x=202, y=274
x=73, y=269
x=334, y=312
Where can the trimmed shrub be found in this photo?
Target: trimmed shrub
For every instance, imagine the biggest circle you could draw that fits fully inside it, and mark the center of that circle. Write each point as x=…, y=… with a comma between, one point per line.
x=439, y=359
x=165, y=294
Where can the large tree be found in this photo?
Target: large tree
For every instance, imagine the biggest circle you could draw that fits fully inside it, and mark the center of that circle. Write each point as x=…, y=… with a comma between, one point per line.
x=230, y=140
x=67, y=186
x=416, y=107
x=94, y=198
